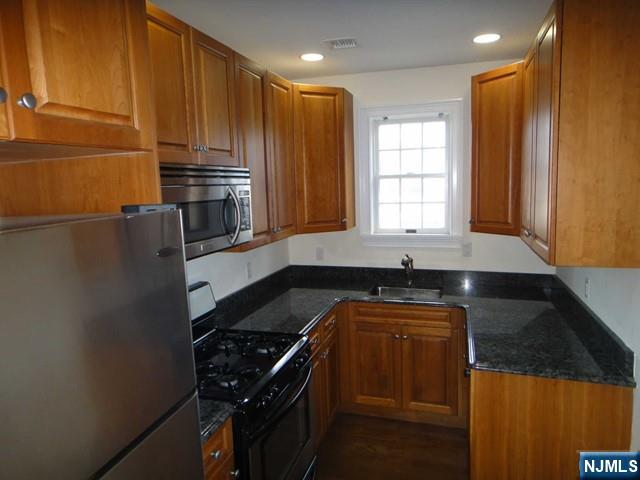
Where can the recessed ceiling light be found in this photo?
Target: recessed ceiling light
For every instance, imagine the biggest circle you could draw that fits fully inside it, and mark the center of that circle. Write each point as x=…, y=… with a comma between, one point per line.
x=311, y=57
x=487, y=38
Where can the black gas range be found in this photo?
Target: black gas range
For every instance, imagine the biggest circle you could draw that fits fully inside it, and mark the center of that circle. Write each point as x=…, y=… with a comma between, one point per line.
x=266, y=376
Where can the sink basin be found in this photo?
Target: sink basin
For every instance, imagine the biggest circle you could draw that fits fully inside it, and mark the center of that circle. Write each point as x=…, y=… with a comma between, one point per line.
x=406, y=293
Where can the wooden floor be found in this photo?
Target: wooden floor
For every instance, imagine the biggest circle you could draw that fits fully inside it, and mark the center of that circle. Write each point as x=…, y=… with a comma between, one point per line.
x=358, y=447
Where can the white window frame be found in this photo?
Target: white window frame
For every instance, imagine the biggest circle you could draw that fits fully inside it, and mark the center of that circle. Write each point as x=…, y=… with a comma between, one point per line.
x=370, y=118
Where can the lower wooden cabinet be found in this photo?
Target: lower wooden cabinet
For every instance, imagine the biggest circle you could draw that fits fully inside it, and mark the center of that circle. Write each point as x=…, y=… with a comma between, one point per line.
x=217, y=454
x=325, y=384
x=526, y=428
x=405, y=362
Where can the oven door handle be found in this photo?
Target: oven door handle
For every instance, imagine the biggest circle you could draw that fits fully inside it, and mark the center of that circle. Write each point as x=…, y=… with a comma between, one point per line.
x=286, y=409
x=236, y=205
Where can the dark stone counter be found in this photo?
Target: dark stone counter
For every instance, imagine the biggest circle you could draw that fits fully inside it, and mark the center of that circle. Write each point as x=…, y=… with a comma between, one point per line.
x=213, y=414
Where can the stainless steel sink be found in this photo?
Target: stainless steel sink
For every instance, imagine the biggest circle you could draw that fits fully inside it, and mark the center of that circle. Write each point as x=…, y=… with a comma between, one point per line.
x=406, y=293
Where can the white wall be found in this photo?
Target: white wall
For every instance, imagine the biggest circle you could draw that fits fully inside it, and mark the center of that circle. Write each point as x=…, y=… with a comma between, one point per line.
x=407, y=87
x=614, y=295
x=227, y=272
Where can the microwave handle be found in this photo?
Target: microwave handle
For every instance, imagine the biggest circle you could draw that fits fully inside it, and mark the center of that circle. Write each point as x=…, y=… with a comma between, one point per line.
x=236, y=204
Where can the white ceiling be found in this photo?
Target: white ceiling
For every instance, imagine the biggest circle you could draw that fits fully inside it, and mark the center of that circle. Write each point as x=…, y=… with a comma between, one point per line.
x=391, y=34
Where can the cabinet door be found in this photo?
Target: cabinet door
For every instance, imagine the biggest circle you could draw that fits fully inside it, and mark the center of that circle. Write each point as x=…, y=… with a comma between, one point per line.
x=430, y=369
x=4, y=98
x=317, y=394
x=215, y=100
x=496, y=102
x=170, y=46
x=528, y=142
x=86, y=64
x=319, y=149
x=331, y=374
x=547, y=84
x=375, y=364
x=282, y=171
x=251, y=83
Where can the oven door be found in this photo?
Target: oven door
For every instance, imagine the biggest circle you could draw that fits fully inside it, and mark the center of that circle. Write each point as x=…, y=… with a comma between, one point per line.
x=211, y=216
x=283, y=447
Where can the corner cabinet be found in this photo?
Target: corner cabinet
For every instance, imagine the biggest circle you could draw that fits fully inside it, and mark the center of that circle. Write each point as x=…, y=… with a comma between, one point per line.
x=406, y=362
x=77, y=74
x=217, y=454
x=496, y=112
x=323, y=119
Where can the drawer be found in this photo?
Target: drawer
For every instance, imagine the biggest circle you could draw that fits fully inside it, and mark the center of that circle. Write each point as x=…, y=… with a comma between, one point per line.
x=329, y=324
x=226, y=472
x=217, y=452
x=315, y=338
x=408, y=314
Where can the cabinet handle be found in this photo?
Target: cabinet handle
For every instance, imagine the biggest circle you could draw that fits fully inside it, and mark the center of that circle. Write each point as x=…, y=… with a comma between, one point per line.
x=467, y=372
x=405, y=337
x=27, y=100
x=234, y=474
x=527, y=232
x=344, y=220
x=325, y=354
x=196, y=148
x=216, y=454
x=315, y=341
x=332, y=322
x=3, y=95
x=396, y=336
x=471, y=221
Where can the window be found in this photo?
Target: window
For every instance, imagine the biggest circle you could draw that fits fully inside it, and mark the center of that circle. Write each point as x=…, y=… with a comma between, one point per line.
x=411, y=191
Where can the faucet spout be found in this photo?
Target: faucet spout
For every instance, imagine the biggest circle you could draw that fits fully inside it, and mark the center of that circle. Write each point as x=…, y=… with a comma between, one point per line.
x=407, y=263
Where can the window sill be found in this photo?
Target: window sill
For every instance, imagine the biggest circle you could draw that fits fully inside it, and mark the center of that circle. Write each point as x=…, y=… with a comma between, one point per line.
x=447, y=242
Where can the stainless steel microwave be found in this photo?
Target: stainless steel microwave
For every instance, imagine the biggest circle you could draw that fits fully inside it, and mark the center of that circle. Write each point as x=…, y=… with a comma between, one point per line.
x=215, y=204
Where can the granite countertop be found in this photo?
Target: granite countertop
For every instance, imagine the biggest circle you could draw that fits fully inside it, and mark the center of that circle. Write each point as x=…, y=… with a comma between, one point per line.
x=213, y=414
x=521, y=336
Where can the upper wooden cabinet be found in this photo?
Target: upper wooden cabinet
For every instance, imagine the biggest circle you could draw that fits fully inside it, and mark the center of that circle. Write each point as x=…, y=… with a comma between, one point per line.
x=4, y=121
x=324, y=158
x=281, y=161
x=581, y=135
x=251, y=86
x=170, y=46
x=213, y=71
x=496, y=104
x=77, y=73
x=528, y=144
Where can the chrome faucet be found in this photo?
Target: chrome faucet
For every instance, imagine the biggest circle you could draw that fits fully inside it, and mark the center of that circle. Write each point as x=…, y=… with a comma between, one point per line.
x=407, y=263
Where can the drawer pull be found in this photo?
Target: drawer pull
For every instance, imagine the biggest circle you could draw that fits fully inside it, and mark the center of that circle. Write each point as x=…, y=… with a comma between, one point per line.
x=235, y=474
x=216, y=454
x=315, y=341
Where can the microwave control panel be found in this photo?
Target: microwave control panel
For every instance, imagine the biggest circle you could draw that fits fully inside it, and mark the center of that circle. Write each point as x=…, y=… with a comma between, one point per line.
x=245, y=209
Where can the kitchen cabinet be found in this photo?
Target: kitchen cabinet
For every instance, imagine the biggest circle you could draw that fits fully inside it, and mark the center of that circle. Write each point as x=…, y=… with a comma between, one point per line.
x=251, y=87
x=325, y=384
x=323, y=119
x=213, y=72
x=282, y=171
x=170, y=47
x=543, y=424
x=217, y=454
x=579, y=148
x=406, y=362
x=76, y=74
x=496, y=104
x=4, y=122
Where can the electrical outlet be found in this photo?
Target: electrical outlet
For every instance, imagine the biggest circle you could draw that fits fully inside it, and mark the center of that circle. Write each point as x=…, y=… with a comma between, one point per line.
x=587, y=287
x=249, y=271
x=319, y=253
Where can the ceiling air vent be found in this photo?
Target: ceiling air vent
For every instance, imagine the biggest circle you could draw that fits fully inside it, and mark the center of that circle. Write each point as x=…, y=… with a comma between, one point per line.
x=341, y=43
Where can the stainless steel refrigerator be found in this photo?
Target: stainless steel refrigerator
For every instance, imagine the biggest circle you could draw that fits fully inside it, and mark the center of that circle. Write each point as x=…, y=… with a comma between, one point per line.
x=96, y=363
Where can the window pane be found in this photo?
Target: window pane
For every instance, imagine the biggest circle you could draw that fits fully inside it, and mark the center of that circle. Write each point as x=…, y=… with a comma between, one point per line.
x=411, y=190
x=411, y=161
x=388, y=137
x=389, y=190
x=410, y=215
x=434, y=134
x=411, y=135
x=433, y=215
x=434, y=190
x=434, y=160
x=389, y=162
x=389, y=216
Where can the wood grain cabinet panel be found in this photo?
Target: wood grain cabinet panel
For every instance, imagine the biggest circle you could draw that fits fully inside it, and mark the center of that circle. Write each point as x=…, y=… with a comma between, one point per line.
x=170, y=46
x=251, y=86
x=528, y=144
x=213, y=68
x=331, y=377
x=86, y=64
x=430, y=359
x=496, y=103
x=4, y=120
x=316, y=389
x=533, y=427
x=217, y=454
x=281, y=159
x=376, y=371
x=324, y=158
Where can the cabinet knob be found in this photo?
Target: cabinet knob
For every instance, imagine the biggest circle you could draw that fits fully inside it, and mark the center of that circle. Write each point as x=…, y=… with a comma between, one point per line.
x=235, y=474
x=405, y=337
x=3, y=95
x=315, y=341
x=216, y=454
x=344, y=220
x=196, y=148
x=396, y=336
x=527, y=232
x=471, y=221
x=27, y=100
